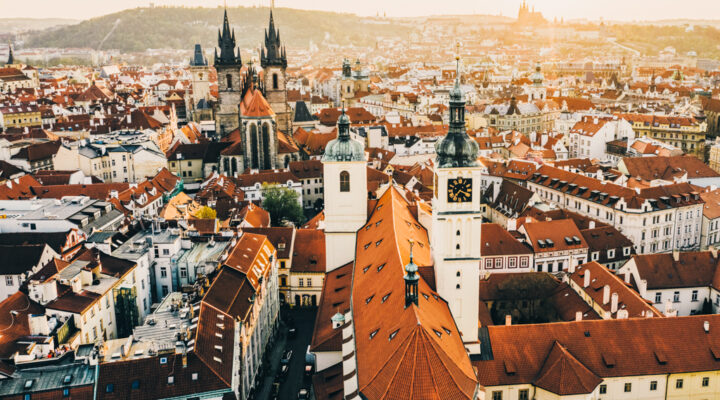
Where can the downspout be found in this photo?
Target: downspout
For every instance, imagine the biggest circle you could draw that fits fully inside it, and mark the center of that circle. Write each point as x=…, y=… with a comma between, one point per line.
x=667, y=383
x=97, y=374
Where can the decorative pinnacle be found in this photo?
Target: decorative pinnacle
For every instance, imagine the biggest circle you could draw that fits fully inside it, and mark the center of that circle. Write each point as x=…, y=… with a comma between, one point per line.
x=457, y=62
x=412, y=243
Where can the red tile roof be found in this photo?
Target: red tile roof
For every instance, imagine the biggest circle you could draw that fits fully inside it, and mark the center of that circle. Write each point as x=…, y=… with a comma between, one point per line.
x=403, y=352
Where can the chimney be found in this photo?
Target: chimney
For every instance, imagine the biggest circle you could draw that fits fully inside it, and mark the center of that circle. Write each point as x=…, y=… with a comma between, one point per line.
x=512, y=224
x=627, y=276
x=706, y=326
x=596, y=121
x=713, y=250
x=614, y=304
x=586, y=282
x=508, y=320
x=591, y=225
x=676, y=255
x=573, y=264
x=606, y=294
x=578, y=316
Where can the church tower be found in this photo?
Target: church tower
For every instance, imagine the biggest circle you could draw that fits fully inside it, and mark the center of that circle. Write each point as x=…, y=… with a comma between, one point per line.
x=229, y=70
x=457, y=220
x=200, y=72
x=345, y=188
x=11, y=56
x=258, y=126
x=274, y=63
x=537, y=91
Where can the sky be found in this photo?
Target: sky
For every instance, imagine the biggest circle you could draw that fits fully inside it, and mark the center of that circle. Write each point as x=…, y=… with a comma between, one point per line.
x=621, y=10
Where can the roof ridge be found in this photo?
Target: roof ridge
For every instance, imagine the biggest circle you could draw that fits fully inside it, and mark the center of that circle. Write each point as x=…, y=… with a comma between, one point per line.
x=433, y=346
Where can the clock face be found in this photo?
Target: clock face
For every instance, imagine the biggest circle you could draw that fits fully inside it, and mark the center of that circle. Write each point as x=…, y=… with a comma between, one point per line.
x=459, y=190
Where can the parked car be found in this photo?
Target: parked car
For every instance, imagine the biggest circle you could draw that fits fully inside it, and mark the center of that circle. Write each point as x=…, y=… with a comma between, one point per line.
x=291, y=332
x=286, y=357
x=303, y=394
x=283, y=373
x=308, y=371
x=275, y=394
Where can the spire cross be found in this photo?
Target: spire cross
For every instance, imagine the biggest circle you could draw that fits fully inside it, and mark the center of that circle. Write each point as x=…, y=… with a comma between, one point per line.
x=457, y=62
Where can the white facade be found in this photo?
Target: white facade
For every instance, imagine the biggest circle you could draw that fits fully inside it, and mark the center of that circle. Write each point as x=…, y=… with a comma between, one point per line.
x=456, y=230
x=345, y=209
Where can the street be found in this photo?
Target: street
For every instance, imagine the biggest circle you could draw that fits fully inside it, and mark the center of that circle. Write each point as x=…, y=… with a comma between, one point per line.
x=304, y=320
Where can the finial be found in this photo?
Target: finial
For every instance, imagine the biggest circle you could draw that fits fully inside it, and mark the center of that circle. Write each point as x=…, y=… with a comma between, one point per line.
x=343, y=106
x=412, y=243
x=457, y=62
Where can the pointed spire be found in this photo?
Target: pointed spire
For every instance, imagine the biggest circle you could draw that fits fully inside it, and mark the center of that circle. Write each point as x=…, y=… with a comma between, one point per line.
x=343, y=125
x=11, y=56
x=273, y=53
x=457, y=149
x=227, y=45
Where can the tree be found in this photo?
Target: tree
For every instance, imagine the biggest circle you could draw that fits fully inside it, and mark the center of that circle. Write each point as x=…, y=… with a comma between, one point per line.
x=283, y=205
x=206, y=213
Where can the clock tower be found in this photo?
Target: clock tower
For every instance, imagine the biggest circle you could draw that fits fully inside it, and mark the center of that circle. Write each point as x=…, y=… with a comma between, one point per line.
x=457, y=221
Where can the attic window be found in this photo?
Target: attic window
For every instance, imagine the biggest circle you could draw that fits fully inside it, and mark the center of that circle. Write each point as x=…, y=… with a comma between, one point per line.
x=367, y=245
x=373, y=333
x=380, y=267
x=385, y=297
x=67, y=379
x=434, y=296
x=378, y=243
x=715, y=350
x=446, y=330
x=367, y=227
x=367, y=301
x=163, y=360
x=29, y=383
x=378, y=223
x=438, y=333
x=420, y=244
x=393, y=334
x=426, y=296
x=367, y=268
x=509, y=367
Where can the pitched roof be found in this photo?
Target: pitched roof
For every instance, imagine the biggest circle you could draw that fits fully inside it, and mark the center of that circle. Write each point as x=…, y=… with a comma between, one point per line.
x=692, y=269
x=309, y=251
x=402, y=352
x=255, y=105
x=335, y=298
x=563, y=374
x=607, y=348
x=496, y=241
x=550, y=236
x=651, y=168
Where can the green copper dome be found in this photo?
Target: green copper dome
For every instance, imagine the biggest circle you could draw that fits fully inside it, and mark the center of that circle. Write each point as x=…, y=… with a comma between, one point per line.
x=344, y=148
x=457, y=149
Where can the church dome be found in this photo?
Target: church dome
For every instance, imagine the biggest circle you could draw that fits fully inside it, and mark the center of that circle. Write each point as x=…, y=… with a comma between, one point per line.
x=457, y=150
x=537, y=77
x=344, y=148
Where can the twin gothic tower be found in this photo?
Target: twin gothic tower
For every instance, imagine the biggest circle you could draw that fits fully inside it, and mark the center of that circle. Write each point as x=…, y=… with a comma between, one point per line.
x=256, y=105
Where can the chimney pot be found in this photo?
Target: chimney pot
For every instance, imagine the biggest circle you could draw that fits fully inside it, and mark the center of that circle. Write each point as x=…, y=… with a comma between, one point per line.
x=586, y=282
x=508, y=320
x=578, y=316
x=706, y=326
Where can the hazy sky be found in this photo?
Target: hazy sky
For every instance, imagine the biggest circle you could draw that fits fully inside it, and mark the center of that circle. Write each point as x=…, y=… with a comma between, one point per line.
x=591, y=9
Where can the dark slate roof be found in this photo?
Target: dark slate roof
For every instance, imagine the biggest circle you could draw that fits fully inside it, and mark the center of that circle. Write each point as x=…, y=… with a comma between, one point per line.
x=16, y=260
x=48, y=378
x=302, y=114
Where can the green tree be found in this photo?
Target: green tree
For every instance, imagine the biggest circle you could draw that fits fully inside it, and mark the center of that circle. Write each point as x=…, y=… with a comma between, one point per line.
x=283, y=205
x=206, y=213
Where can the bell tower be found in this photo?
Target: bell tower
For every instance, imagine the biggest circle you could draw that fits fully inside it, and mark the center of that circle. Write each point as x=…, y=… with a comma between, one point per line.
x=274, y=63
x=345, y=189
x=200, y=77
x=229, y=70
x=457, y=220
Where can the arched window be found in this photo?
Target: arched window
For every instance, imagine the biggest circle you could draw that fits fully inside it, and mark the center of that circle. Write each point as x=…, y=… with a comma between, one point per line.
x=228, y=79
x=255, y=162
x=275, y=81
x=267, y=162
x=344, y=181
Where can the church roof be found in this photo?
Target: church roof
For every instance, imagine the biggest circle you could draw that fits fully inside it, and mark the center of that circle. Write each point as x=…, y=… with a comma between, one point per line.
x=255, y=105
x=403, y=352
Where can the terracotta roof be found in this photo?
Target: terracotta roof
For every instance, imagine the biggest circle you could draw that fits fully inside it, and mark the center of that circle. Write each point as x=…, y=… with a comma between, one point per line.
x=563, y=374
x=255, y=216
x=255, y=105
x=496, y=241
x=692, y=269
x=307, y=169
x=335, y=298
x=309, y=251
x=251, y=256
x=651, y=168
x=556, y=231
x=18, y=188
x=281, y=237
x=402, y=352
x=37, y=151
x=17, y=326
x=607, y=348
x=628, y=299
